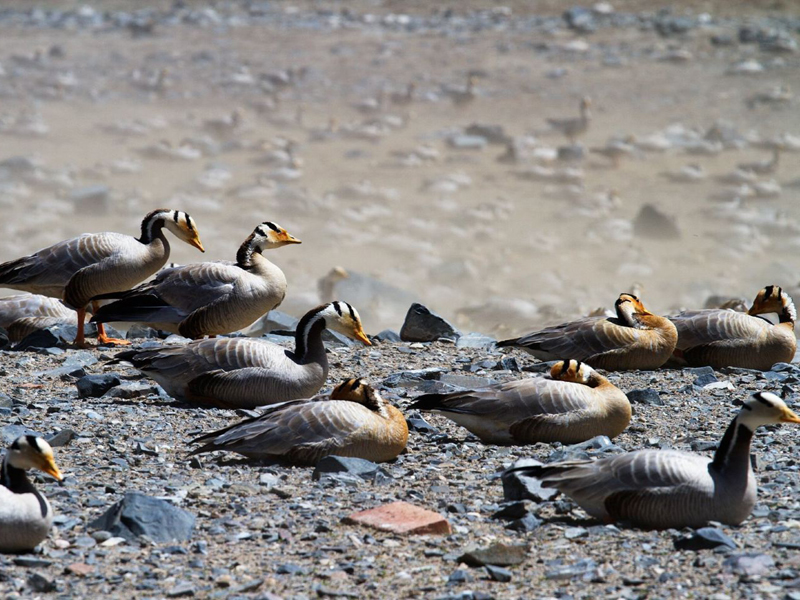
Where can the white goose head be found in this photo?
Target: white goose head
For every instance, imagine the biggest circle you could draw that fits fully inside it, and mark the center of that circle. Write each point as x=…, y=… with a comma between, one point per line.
x=343, y=318
x=765, y=408
x=32, y=452
x=177, y=221
x=772, y=299
x=270, y=235
x=572, y=371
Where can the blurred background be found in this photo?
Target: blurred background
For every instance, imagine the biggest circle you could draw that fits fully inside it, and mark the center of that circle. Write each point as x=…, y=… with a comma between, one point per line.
x=510, y=165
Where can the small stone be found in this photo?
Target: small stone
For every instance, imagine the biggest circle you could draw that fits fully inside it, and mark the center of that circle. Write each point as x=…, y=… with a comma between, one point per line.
x=573, y=533
x=139, y=515
x=94, y=386
x=526, y=523
x=705, y=538
x=497, y=554
x=459, y=576
x=648, y=396
x=31, y=562
x=421, y=325
x=359, y=467
x=81, y=569
x=578, y=569
x=512, y=510
x=703, y=376
x=41, y=338
x=750, y=565
x=402, y=518
x=182, y=590
x=388, y=335
x=40, y=584
x=62, y=438
x=498, y=573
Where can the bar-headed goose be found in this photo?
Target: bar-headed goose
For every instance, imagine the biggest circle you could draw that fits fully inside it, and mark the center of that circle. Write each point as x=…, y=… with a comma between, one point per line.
x=92, y=264
x=246, y=372
x=354, y=420
x=208, y=298
x=661, y=489
x=573, y=405
x=572, y=128
x=634, y=339
x=22, y=314
x=727, y=338
x=25, y=515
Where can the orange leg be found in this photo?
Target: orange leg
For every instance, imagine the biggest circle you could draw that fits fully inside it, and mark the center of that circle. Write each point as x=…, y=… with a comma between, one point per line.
x=80, y=340
x=102, y=338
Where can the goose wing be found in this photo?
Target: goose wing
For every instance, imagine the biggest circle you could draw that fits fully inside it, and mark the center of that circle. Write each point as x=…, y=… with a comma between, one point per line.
x=702, y=327
x=580, y=340
x=299, y=431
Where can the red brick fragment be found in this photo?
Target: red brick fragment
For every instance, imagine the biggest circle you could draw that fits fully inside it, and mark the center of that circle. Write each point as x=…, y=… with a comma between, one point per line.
x=80, y=569
x=402, y=518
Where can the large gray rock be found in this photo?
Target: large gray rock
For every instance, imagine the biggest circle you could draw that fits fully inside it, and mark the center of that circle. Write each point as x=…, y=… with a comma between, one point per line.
x=137, y=514
x=422, y=325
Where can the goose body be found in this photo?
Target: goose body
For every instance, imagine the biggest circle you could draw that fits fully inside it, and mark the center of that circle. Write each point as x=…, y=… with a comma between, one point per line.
x=246, y=372
x=661, y=489
x=209, y=298
x=93, y=264
x=25, y=313
x=352, y=421
x=634, y=339
x=572, y=128
x=727, y=338
x=25, y=515
x=573, y=405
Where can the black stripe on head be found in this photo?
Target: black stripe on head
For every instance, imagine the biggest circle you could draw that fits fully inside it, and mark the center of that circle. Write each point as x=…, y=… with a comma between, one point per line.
x=622, y=300
x=175, y=216
x=577, y=367
x=337, y=308
x=352, y=312
x=260, y=231
x=189, y=222
x=355, y=384
x=272, y=226
x=33, y=442
x=760, y=397
x=768, y=291
x=564, y=368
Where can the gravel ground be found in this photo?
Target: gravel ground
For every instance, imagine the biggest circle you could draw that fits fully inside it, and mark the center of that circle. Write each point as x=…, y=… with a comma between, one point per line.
x=265, y=530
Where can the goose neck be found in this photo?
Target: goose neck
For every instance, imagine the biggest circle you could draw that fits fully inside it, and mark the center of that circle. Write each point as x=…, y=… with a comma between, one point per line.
x=308, y=339
x=733, y=454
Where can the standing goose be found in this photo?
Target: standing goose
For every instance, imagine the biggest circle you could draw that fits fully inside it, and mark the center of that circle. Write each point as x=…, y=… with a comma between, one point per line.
x=25, y=313
x=353, y=421
x=574, y=127
x=662, y=489
x=634, y=339
x=726, y=338
x=246, y=372
x=25, y=515
x=575, y=404
x=208, y=298
x=92, y=264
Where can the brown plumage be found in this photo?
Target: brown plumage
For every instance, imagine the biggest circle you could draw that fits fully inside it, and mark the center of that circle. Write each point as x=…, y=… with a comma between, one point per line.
x=634, y=339
x=354, y=420
x=726, y=338
x=574, y=404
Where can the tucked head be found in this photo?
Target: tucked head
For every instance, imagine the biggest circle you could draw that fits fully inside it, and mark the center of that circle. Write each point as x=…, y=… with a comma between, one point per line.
x=765, y=408
x=31, y=452
x=630, y=304
x=772, y=299
x=343, y=318
x=572, y=370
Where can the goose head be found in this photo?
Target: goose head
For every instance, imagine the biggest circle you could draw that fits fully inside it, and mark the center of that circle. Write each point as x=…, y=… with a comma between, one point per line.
x=629, y=308
x=573, y=371
x=765, y=408
x=773, y=299
x=343, y=318
x=270, y=235
x=32, y=452
x=182, y=225
x=357, y=390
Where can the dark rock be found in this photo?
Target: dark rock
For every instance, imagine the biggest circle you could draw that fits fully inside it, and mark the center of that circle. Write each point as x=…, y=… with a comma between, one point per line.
x=647, y=396
x=652, y=223
x=669, y=26
x=498, y=573
x=705, y=538
x=387, y=335
x=182, y=590
x=41, y=338
x=580, y=19
x=358, y=467
x=421, y=325
x=509, y=363
x=31, y=562
x=750, y=565
x=512, y=510
x=139, y=331
x=94, y=386
x=519, y=487
x=11, y=432
x=526, y=523
x=494, y=134
x=502, y=555
x=40, y=584
x=417, y=423
x=136, y=515
x=573, y=153
x=289, y=569
x=703, y=376
x=62, y=438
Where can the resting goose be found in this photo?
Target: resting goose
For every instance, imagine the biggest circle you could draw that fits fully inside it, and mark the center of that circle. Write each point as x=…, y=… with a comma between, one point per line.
x=573, y=405
x=25, y=313
x=92, y=264
x=246, y=372
x=25, y=515
x=634, y=339
x=354, y=420
x=208, y=298
x=662, y=489
x=727, y=338
x=575, y=127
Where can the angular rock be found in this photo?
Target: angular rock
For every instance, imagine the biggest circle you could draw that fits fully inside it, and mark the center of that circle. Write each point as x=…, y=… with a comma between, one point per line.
x=648, y=396
x=519, y=487
x=359, y=467
x=388, y=335
x=581, y=568
x=498, y=573
x=94, y=386
x=421, y=325
x=502, y=555
x=750, y=565
x=41, y=338
x=11, y=432
x=705, y=538
x=526, y=523
x=62, y=438
x=703, y=376
x=136, y=515
x=401, y=518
